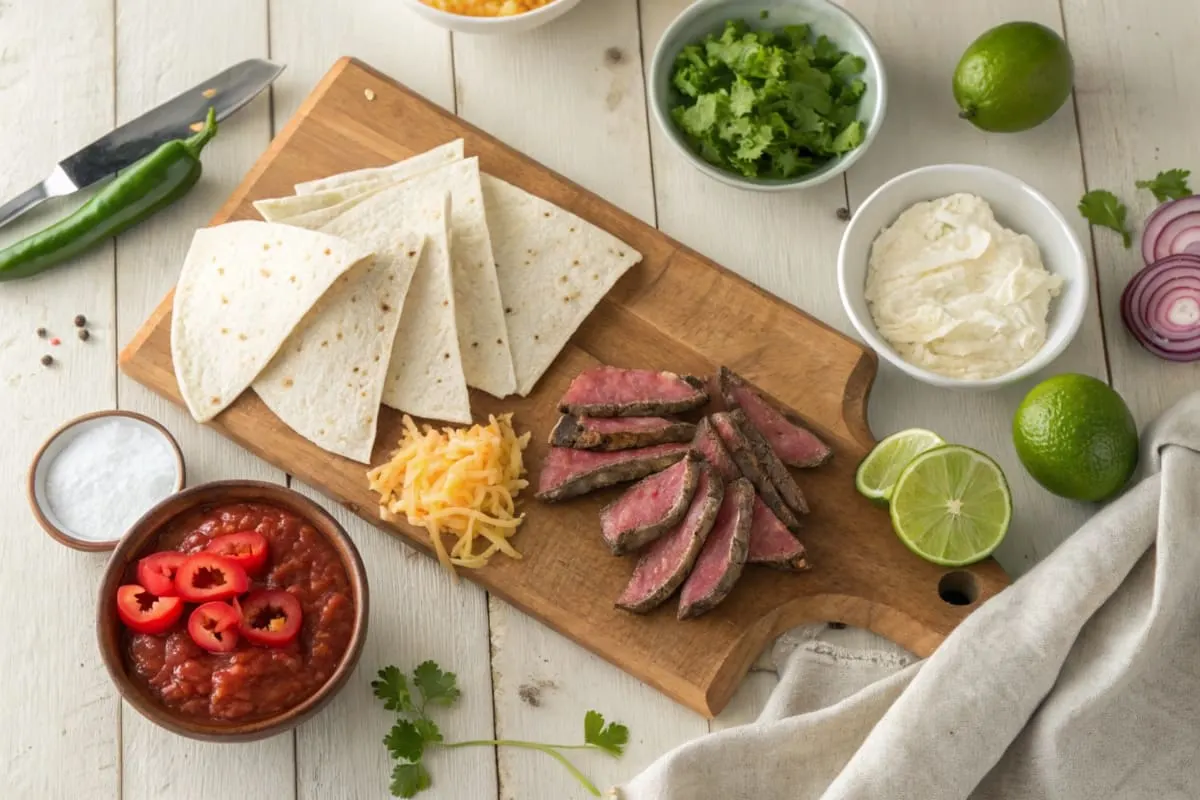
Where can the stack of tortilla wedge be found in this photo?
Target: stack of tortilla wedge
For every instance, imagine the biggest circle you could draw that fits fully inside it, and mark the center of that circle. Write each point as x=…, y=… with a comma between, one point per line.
x=402, y=285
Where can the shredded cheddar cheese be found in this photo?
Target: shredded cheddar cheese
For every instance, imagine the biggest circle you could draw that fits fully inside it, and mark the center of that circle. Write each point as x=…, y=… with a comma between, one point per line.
x=458, y=481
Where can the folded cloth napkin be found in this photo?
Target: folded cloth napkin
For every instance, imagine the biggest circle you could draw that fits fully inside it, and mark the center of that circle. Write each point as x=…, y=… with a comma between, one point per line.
x=1081, y=681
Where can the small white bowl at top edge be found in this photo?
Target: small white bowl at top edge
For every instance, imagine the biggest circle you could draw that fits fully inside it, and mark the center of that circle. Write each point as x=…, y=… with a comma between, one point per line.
x=1018, y=206
x=515, y=23
x=707, y=16
x=55, y=443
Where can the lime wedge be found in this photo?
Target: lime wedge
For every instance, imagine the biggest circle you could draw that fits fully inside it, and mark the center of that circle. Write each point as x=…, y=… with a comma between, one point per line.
x=878, y=472
x=951, y=505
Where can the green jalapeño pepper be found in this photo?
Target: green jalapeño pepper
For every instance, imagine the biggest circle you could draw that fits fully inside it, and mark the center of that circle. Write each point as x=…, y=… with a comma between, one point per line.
x=151, y=184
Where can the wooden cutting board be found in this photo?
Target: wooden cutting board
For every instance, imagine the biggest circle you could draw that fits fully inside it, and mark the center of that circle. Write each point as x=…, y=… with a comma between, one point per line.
x=677, y=311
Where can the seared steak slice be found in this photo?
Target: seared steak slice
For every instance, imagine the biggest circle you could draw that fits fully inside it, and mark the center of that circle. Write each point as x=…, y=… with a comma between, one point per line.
x=743, y=456
x=785, y=484
x=567, y=472
x=708, y=444
x=792, y=442
x=669, y=559
x=618, y=433
x=616, y=392
x=650, y=507
x=724, y=554
x=771, y=543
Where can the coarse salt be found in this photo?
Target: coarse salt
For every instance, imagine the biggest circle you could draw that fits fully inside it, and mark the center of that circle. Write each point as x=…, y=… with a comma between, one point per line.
x=107, y=476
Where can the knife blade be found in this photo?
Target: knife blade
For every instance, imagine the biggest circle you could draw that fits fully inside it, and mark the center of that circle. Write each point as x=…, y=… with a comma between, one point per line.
x=226, y=92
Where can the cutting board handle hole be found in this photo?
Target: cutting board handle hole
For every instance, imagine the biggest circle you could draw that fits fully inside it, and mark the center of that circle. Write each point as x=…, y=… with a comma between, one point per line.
x=958, y=588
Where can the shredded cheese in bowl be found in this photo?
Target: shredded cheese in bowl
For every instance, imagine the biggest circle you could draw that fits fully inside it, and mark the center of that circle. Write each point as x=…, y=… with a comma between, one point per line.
x=487, y=8
x=458, y=481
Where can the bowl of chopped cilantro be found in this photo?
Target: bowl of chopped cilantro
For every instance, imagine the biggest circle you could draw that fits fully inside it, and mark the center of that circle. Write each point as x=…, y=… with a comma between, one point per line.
x=768, y=94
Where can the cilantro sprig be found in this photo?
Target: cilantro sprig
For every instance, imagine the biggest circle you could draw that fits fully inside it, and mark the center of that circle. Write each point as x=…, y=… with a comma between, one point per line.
x=768, y=103
x=1101, y=207
x=414, y=732
x=1169, y=185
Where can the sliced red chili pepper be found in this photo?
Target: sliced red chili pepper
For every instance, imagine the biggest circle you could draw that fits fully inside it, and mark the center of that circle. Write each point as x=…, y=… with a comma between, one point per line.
x=214, y=626
x=156, y=572
x=208, y=576
x=146, y=612
x=269, y=617
x=248, y=548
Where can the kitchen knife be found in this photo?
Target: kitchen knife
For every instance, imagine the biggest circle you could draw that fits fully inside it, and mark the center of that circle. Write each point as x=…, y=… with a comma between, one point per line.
x=174, y=119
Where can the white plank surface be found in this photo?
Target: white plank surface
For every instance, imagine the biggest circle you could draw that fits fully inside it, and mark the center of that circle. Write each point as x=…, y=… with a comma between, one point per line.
x=572, y=96
x=59, y=738
x=1133, y=78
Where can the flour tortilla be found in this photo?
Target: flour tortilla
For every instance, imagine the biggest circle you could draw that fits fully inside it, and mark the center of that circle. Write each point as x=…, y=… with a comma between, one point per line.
x=327, y=380
x=243, y=288
x=553, y=269
x=333, y=190
x=425, y=373
x=482, y=332
x=439, y=156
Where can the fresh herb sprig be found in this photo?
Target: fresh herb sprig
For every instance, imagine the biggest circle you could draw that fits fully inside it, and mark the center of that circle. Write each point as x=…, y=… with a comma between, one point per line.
x=1168, y=185
x=1101, y=207
x=415, y=732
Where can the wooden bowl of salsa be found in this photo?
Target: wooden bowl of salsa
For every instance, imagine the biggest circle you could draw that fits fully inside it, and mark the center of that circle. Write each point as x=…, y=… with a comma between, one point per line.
x=257, y=616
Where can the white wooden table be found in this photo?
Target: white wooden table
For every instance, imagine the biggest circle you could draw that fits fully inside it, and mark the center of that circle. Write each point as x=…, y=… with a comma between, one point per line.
x=572, y=96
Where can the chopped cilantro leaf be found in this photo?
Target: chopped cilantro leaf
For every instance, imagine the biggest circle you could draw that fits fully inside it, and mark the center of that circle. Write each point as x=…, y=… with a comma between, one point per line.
x=392, y=688
x=768, y=103
x=404, y=742
x=1102, y=208
x=408, y=779
x=437, y=687
x=1169, y=185
x=611, y=738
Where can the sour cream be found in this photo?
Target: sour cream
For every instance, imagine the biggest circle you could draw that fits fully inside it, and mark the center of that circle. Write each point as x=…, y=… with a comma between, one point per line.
x=956, y=293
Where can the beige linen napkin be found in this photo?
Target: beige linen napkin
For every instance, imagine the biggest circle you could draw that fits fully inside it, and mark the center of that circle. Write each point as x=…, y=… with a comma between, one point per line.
x=1081, y=681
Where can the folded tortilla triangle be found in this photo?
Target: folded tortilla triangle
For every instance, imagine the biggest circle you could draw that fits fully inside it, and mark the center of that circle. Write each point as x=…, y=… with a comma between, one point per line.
x=482, y=334
x=243, y=288
x=329, y=191
x=326, y=382
x=425, y=374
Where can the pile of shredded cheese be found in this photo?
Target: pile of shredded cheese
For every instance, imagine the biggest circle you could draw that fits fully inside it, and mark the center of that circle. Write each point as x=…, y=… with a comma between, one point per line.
x=458, y=481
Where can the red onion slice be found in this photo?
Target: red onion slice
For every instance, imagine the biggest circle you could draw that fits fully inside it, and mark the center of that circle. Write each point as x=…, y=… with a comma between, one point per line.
x=1173, y=228
x=1161, y=307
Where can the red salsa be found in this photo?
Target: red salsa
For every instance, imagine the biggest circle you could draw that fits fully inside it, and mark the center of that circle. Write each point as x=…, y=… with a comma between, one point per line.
x=251, y=681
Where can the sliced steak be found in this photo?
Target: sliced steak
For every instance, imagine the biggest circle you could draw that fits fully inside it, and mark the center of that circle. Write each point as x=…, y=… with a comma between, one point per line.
x=795, y=445
x=743, y=456
x=784, y=483
x=708, y=444
x=669, y=559
x=618, y=433
x=567, y=472
x=773, y=544
x=724, y=553
x=616, y=392
x=650, y=507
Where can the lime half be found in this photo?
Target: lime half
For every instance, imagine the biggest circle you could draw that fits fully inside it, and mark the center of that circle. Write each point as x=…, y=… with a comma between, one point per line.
x=951, y=505
x=878, y=472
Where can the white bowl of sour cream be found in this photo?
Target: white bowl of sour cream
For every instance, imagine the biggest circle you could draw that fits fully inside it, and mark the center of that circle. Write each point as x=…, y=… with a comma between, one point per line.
x=963, y=276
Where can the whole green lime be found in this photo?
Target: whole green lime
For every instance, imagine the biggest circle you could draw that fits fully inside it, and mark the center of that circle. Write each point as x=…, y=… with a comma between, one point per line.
x=1076, y=437
x=1013, y=77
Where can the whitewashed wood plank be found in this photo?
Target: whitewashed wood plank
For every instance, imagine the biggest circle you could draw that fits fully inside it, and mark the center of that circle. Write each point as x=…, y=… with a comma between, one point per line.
x=310, y=35
x=60, y=733
x=417, y=614
x=158, y=56
x=1135, y=84
x=571, y=96
x=414, y=604
x=923, y=128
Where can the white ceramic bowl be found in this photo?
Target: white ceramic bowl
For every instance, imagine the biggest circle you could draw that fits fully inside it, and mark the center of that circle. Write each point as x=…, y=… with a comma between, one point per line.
x=517, y=23
x=708, y=16
x=1017, y=206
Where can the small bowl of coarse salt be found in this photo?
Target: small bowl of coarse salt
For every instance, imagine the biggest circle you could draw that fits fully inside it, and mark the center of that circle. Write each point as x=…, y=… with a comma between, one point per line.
x=99, y=473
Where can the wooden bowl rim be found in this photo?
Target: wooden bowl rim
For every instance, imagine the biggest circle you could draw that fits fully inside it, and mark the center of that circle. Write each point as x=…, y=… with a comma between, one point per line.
x=57, y=533
x=142, y=531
